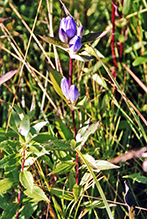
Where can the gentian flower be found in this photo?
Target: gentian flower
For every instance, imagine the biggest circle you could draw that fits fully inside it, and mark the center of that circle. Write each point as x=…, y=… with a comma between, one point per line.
x=67, y=29
x=75, y=44
x=71, y=93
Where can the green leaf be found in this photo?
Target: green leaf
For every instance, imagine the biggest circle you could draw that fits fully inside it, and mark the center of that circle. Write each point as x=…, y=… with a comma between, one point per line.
x=83, y=102
x=56, y=80
x=90, y=37
x=99, y=80
x=90, y=130
x=26, y=179
x=83, y=57
x=63, y=130
x=77, y=191
x=14, y=121
x=37, y=193
x=90, y=160
x=62, y=194
x=10, y=211
x=64, y=167
x=7, y=183
x=10, y=160
x=140, y=60
x=137, y=177
x=55, y=41
x=60, y=145
x=43, y=137
x=24, y=126
x=127, y=4
x=10, y=144
x=105, y=165
x=27, y=210
x=35, y=129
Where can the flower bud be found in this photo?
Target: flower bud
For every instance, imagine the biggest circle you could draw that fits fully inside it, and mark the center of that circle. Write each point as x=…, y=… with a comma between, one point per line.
x=80, y=31
x=73, y=93
x=67, y=29
x=65, y=87
x=75, y=44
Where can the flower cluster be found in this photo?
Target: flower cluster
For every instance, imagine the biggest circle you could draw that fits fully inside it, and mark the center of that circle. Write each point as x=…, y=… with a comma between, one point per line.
x=71, y=93
x=68, y=33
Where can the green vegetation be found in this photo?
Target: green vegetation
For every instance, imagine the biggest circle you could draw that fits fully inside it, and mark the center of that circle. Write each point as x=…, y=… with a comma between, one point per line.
x=62, y=159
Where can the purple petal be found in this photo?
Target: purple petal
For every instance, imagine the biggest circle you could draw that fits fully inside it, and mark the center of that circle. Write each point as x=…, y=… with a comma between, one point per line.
x=65, y=87
x=70, y=27
x=73, y=93
x=80, y=31
x=75, y=44
x=63, y=36
x=7, y=76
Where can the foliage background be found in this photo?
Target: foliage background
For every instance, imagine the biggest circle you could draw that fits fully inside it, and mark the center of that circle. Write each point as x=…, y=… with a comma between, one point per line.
x=121, y=127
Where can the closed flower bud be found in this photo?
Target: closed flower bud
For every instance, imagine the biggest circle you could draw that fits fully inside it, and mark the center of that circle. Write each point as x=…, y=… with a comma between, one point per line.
x=67, y=29
x=80, y=31
x=73, y=93
x=75, y=44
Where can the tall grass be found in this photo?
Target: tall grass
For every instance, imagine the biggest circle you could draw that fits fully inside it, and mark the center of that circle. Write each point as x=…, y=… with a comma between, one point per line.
x=39, y=166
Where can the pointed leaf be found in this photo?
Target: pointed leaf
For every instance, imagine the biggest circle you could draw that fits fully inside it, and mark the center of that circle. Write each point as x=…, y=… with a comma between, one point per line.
x=60, y=145
x=55, y=41
x=137, y=177
x=99, y=80
x=64, y=167
x=37, y=127
x=37, y=193
x=63, y=130
x=105, y=165
x=28, y=210
x=90, y=37
x=77, y=190
x=10, y=160
x=140, y=60
x=127, y=4
x=6, y=184
x=90, y=130
x=10, y=211
x=26, y=179
x=81, y=57
x=56, y=80
x=24, y=126
x=91, y=160
x=7, y=76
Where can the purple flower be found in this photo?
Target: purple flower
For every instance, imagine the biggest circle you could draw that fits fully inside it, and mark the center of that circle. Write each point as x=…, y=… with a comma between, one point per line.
x=67, y=29
x=71, y=93
x=75, y=44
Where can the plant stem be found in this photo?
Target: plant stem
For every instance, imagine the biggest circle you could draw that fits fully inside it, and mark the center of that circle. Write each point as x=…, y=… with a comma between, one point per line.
x=73, y=118
x=19, y=193
x=112, y=37
x=70, y=71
